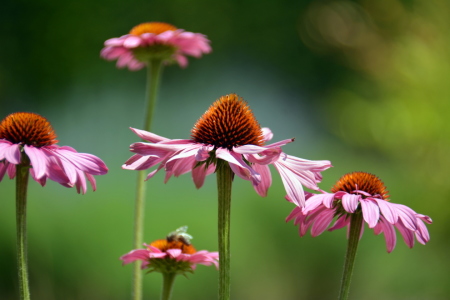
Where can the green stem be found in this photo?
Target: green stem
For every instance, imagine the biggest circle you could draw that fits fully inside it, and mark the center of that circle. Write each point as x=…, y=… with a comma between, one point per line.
x=168, y=280
x=154, y=69
x=352, y=246
x=224, y=181
x=22, y=174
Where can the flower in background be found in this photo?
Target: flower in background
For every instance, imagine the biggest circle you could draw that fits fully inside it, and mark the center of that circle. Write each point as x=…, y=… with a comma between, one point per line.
x=155, y=40
x=228, y=131
x=174, y=254
x=29, y=137
x=361, y=193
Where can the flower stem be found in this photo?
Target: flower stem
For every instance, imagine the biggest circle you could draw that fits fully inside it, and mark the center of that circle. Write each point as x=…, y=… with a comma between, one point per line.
x=224, y=181
x=168, y=280
x=22, y=174
x=352, y=246
x=154, y=69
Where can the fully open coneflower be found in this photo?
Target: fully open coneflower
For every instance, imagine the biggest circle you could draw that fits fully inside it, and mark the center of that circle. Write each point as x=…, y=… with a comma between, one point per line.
x=171, y=256
x=227, y=140
x=155, y=40
x=228, y=131
x=28, y=146
x=358, y=198
x=29, y=139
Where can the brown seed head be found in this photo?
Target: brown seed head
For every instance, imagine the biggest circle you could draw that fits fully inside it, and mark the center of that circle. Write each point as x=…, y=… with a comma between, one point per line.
x=362, y=181
x=229, y=122
x=165, y=245
x=27, y=128
x=151, y=27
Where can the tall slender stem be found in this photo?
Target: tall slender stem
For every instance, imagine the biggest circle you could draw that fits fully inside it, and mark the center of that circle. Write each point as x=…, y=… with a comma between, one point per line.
x=168, y=280
x=224, y=182
x=154, y=70
x=22, y=174
x=352, y=246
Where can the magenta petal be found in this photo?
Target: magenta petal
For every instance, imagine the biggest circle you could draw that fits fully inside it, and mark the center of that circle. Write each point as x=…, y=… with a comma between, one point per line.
x=199, y=173
x=140, y=254
x=371, y=212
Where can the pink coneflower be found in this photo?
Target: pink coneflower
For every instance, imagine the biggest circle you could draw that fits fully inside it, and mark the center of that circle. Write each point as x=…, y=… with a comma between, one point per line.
x=28, y=138
x=227, y=131
x=175, y=254
x=361, y=193
x=155, y=40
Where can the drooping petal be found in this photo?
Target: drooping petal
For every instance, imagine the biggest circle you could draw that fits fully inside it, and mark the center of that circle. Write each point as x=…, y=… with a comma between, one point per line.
x=38, y=160
x=266, y=179
x=322, y=221
x=236, y=160
x=388, y=211
x=350, y=202
x=371, y=212
x=199, y=173
x=389, y=233
x=12, y=153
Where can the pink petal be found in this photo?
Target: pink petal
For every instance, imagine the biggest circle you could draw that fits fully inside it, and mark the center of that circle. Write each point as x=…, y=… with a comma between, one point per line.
x=292, y=186
x=148, y=136
x=322, y=221
x=350, y=202
x=12, y=153
x=370, y=211
x=140, y=254
x=266, y=179
x=236, y=160
x=38, y=160
x=388, y=211
x=267, y=134
x=199, y=173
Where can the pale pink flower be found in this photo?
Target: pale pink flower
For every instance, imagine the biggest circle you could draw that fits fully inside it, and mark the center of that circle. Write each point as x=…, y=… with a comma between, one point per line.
x=29, y=138
x=360, y=192
x=155, y=40
x=175, y=253
x=227, y=131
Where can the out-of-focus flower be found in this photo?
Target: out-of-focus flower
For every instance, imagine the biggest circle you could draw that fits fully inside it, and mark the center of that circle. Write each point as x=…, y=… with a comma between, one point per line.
x=155, y=40
x=361, y=193
x=228, y=131
x=29, y=138
x=174, y=254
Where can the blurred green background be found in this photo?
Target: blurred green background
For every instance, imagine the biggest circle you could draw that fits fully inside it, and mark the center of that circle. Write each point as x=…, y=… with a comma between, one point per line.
x=364, y=84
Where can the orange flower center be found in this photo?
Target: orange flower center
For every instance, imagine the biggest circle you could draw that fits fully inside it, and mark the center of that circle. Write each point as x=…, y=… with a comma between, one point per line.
x=152, y=27
x=229, y=122
x=165, y=245
x=361, y=181
x=27, y=128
